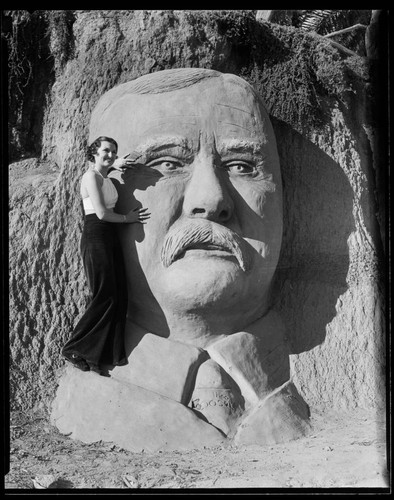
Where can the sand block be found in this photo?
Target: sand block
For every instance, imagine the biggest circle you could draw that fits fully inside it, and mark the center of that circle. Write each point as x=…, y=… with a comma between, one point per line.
x=279, y=418
x=162, y=366
x=91, y=408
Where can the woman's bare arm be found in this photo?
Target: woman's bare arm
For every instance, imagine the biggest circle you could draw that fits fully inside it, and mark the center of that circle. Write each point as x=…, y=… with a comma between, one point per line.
x=92, y=186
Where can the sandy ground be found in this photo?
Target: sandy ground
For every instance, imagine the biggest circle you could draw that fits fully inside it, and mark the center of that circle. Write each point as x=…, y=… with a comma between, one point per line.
x=345, y=450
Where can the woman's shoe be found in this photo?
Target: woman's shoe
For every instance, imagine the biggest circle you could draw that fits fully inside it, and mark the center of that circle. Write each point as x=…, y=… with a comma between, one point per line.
x=95, y=368
x=77, y=361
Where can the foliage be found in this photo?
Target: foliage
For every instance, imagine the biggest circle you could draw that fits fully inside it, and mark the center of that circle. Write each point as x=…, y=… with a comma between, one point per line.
x=29, y=76
x=298, y=74
x=237, y=26
x=327, y=21
x=19, y=64
x=60, y=23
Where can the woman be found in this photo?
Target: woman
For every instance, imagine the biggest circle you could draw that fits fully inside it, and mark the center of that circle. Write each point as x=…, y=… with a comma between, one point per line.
x=98, y=338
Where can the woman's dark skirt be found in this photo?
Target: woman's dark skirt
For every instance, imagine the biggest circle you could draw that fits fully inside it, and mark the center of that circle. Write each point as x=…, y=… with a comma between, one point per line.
x=99, y=335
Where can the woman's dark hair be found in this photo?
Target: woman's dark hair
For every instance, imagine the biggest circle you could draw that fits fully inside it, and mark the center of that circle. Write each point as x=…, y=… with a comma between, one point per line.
x=92, y=149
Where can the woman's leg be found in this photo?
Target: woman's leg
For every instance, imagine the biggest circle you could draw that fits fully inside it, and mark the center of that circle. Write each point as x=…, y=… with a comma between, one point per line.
x=92, y=334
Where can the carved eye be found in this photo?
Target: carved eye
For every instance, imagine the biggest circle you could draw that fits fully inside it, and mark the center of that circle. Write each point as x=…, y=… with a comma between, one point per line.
x=165, y=164
x=240, y=168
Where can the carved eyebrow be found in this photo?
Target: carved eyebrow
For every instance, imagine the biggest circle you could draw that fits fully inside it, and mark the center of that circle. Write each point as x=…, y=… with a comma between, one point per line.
x=163, y=142
x=241, y=146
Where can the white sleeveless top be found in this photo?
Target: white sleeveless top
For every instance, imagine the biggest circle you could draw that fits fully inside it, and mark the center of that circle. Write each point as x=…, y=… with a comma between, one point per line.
x=110, y=197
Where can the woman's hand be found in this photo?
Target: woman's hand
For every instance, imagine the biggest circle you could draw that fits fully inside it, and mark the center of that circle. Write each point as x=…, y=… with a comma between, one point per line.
x=137, y=215
x=127, y=161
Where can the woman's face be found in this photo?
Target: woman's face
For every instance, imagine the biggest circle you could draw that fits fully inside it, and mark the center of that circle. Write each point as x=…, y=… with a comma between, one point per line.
x=105, y=154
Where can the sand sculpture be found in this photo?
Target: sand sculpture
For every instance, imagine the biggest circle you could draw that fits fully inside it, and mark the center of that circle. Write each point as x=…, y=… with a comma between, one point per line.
x=208, y=359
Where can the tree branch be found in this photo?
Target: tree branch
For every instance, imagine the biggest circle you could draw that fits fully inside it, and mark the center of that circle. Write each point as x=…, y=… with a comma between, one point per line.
x=345, y=30
x=343, y=49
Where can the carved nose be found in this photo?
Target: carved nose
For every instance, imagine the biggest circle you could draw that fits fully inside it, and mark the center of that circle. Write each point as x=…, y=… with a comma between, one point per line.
x=217, y=215
x=207, y=196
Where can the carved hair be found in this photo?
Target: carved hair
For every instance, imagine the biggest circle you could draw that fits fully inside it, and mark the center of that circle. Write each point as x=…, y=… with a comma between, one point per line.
x=168, y=80
x=92, y=149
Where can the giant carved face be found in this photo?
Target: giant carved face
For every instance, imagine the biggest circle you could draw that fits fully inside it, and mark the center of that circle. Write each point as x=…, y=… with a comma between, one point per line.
x=208, y=171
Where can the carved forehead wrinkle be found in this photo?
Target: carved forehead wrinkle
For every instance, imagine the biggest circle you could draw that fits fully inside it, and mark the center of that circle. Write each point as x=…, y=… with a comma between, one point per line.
x=241, y=127
x=239, y=107
x=176, y=119
x=243, y=110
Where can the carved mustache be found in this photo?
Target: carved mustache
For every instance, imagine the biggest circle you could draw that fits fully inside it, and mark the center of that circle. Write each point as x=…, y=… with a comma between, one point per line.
x=205, y=234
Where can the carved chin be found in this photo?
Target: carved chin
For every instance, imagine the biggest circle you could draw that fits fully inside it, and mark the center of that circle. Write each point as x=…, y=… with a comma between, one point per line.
x=191, y=282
